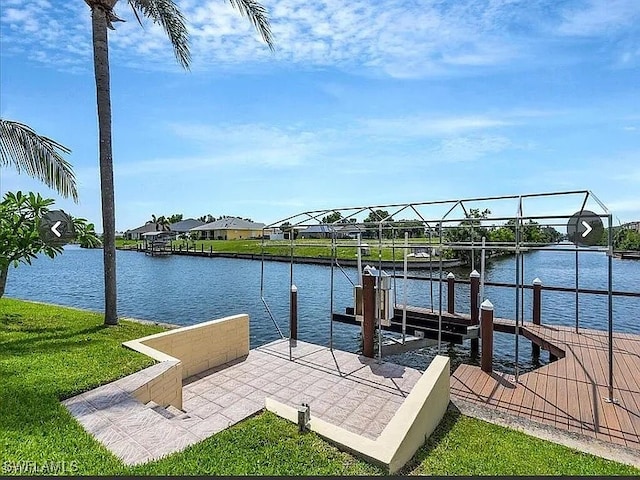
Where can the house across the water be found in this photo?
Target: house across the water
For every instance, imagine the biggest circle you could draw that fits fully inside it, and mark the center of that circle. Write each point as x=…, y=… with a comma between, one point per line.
x=230, y=228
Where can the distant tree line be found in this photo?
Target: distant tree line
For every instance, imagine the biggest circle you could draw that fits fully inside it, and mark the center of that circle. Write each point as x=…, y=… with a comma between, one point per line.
x=208, y=218
x=472, y=230
x=623, y=238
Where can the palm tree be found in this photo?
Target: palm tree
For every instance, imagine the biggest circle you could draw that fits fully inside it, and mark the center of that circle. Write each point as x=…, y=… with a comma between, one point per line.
x=160, y=223
x=40, y=157
x=165, y=13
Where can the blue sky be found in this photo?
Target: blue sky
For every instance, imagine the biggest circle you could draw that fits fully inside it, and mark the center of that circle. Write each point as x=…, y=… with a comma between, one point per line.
x=361, y=103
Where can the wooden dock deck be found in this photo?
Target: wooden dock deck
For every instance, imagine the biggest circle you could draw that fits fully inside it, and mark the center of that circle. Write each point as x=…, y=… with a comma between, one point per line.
x=569, y=393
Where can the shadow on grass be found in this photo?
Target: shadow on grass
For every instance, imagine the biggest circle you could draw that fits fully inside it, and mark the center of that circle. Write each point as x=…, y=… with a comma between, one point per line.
x=57, y=339
x=25, y=408
x=447, y=423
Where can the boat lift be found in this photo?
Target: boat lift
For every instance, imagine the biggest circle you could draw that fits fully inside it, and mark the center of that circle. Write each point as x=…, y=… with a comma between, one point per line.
x=433, y=221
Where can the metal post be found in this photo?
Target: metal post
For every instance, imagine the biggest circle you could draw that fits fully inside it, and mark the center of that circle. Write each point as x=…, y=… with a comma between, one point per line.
x=475, y=311
x=517, y=312
x=333, y=261
x=473, y=250
x=393, y=259
x=379, y=295
x=293, y=314
x=577, y=293
x=451, y=293
x=610, y=398
x=440, y=294
x=291, y=286
x=431, y=267
x=359, y=259
x=486, y=330
x=405, y=287
x=368, y=314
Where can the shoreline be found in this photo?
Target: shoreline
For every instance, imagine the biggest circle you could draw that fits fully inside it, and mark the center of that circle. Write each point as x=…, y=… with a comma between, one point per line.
x=411, y=265
x=99, y=312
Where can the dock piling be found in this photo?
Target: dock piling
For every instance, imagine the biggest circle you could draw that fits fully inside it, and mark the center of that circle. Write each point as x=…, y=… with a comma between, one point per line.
x=369, y=314
x=486, y=331
x=475, y=311
x=293, y=314
x=537, y=296
x=451, y=293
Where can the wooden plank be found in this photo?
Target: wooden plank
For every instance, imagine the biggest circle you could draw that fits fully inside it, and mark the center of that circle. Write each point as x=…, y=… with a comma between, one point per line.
x=517, y=398
x=625, y=384
x=485, y=387
x=573, y=395
x=582, y=380
x=537, y=408
x=585, y=401
x=462, y=381
x=569, y=393
x=609, y=415
x=505, y=391
x=592, y=366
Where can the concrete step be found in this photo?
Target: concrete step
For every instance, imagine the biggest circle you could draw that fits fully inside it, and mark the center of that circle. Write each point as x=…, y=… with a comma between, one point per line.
x=168, y=412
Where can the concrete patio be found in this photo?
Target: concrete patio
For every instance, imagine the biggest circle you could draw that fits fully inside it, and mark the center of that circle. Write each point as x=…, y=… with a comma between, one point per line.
x=343, y=389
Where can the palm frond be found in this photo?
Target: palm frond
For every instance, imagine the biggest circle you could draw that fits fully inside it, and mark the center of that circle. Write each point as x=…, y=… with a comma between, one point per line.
x=258, y=17
x=39, y=157
x=167, y=14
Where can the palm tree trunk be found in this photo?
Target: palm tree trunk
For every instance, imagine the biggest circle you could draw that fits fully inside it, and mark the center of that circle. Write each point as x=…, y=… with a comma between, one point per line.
x=103, y=94
x=4, y=271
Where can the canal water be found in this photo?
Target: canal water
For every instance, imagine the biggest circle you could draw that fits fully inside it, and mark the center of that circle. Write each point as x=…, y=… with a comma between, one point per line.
x=186, y=290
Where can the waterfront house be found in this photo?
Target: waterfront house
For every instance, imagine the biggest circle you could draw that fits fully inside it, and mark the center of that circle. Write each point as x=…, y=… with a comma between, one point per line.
x=184, y=226
x=136, y=233
x=326, y=231
x=229, y=228
x=318, y=231
x=632, y=226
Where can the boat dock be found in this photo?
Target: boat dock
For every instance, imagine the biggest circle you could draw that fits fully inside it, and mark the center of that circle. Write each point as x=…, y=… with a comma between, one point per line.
x=570, y=394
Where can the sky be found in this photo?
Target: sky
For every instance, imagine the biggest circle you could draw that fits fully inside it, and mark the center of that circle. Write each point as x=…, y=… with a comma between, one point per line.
x=361, y=103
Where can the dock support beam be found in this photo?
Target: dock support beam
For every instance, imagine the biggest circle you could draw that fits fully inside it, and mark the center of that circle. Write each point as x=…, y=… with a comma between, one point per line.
x=475, y=311
x=486, y=330
x=293, y=314
x=451, y=293
x=537, y=304
x=368, y=314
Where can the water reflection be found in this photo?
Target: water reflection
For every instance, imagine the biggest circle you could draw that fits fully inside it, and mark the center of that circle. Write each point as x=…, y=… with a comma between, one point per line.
x=187, y=290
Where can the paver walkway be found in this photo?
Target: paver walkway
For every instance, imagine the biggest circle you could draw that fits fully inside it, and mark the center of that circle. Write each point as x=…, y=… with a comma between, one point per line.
x=342, y=388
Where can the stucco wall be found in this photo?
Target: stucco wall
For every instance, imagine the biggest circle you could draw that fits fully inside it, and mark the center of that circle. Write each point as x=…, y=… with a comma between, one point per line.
x=188, y=351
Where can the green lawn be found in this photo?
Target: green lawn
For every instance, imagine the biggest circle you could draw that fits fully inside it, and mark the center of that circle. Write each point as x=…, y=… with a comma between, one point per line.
x=49, y=353
x=318, y=248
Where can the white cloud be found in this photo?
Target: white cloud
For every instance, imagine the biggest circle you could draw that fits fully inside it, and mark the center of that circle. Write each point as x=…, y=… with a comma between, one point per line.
x=420, y=126
x=625, y=205
x=469, y=148
x=392, y=37
x=600, y=17
x=349, y=150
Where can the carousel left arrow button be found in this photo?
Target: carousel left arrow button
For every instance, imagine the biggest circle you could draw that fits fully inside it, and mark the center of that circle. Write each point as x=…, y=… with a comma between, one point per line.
x=54, y=229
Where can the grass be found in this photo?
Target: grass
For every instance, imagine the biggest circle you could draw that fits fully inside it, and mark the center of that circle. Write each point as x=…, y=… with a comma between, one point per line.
x=466, y=446
x=49, y=353
x=314, y=248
